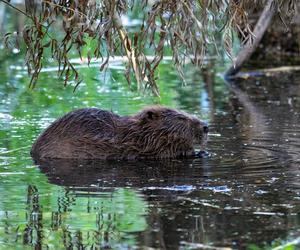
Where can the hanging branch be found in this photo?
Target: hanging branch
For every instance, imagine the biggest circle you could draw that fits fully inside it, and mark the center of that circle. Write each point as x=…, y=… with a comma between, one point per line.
x=188, y=28
x=129, y=49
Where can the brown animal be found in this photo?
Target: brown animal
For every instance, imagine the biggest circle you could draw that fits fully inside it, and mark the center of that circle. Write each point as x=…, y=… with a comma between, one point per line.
x=155, y=132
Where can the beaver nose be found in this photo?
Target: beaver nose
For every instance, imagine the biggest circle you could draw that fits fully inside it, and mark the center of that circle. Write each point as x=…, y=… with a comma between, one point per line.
x=205, y=129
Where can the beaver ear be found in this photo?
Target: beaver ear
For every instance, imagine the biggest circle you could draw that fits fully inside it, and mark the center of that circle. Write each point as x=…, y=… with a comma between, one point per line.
x=151, y=115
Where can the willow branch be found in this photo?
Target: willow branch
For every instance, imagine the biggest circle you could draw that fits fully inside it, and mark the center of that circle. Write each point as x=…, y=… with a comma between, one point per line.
x=67, y=8
x=129, y=49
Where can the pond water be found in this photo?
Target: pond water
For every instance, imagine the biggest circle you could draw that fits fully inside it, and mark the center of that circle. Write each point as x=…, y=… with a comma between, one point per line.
x=245, y=196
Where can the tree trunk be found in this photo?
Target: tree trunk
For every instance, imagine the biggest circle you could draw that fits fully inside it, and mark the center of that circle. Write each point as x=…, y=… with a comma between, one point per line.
x=259, y=30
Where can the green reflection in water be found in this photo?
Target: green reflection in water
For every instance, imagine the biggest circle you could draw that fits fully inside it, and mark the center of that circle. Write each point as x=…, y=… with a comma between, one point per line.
x=35, y=213
x=55, y=217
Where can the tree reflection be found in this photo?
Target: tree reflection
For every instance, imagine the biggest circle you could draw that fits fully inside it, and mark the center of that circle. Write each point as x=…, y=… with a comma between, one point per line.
x=84, y=219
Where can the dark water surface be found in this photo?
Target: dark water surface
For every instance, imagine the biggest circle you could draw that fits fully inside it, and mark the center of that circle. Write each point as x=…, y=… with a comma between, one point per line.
x=245, y=196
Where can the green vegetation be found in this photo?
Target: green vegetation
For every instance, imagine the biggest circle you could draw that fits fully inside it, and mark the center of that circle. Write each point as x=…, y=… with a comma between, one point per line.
x=184, y=30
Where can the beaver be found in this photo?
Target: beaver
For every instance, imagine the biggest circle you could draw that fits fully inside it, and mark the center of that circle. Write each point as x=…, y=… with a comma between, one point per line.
x=91, y=133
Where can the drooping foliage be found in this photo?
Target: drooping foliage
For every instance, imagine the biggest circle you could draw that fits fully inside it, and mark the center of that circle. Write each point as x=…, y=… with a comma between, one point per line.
x=187, y=28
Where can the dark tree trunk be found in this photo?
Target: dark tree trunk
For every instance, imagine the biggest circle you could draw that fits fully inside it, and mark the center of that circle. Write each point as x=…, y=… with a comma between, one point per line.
x=261, y=26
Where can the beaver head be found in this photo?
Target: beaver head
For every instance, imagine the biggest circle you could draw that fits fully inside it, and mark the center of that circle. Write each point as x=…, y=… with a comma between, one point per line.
x=162, y=132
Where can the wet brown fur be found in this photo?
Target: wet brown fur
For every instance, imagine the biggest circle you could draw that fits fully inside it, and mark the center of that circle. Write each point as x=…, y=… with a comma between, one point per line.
x=155, y=132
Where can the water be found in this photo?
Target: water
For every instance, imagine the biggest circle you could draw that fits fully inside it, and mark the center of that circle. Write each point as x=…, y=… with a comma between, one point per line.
x=246, y=195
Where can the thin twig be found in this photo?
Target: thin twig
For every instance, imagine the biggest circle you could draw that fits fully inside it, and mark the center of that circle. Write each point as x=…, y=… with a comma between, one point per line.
x=15, y=8
x=129, y=49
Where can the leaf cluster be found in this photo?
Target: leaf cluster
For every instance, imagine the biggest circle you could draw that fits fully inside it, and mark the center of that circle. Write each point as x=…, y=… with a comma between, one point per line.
x=188, y=28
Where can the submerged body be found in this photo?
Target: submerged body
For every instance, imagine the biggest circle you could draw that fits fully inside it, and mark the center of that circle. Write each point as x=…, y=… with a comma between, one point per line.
x=91, y=133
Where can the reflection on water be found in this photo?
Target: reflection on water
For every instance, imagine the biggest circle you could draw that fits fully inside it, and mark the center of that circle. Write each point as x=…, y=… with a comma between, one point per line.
x=77, y=219
x=246, y=194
